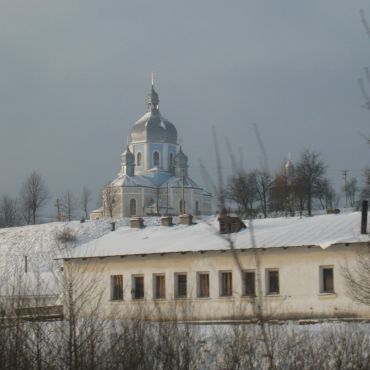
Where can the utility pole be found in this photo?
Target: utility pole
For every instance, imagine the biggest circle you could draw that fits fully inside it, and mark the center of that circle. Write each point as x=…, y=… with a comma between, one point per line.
x=58, y=205
x=345, y=172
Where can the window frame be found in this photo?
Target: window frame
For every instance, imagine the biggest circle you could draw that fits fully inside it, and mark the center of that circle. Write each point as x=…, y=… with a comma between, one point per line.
x=130, y=207
x=134, y=290
x=200, y=293
x=113, y=291
x=244, y=283
x=177, y=293
x=228, y=292
x=139, y=159
x=159, y=158
x=268, y=281
x=155, y=286
x=322, y=288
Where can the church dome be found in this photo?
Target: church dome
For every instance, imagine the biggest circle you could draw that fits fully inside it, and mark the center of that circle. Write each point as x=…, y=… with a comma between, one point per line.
x=152, y=126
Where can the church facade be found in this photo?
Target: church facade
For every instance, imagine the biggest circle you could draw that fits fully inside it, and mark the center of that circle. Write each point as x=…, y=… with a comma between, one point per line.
x=153, y=177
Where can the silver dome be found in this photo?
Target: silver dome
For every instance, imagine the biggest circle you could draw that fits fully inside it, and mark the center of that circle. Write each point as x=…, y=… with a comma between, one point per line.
x=152, y=127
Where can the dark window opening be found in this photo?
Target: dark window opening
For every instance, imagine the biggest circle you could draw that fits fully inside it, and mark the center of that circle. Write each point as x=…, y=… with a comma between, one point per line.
x=159, y=287
x=138, y=287
x=327, y=280
x=273, y=282
x=181, y=286
x=155, y=159
x=116, y=287
x=226, y=284
x=203, y=285
x=249, y=283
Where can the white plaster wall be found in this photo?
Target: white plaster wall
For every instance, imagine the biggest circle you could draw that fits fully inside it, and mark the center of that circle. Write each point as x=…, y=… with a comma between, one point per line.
x=299, y=280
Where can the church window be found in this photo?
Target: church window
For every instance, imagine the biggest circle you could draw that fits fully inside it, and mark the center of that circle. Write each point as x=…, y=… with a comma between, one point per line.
x=249, y=283
x=326, y=279
x=156, y=159
x=181, y=285
x=116, y=287
x=272, y=282
x=226, y=284
x=182, y=206
x=171, y=159
x=138, y=159
x=137, y=287
x=203, y=284
x=159, y=286
x=132, y=207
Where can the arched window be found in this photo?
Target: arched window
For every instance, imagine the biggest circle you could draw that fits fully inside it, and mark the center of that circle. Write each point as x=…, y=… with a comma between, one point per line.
x=138, y=159
x=197, y=211
x=171, y=159
x=132, y=207
x=155, y=159
x=182, y=206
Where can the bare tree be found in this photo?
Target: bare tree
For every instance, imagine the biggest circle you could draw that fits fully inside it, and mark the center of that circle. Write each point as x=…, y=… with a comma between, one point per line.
x=85, y=200
x=110, y=197
x=34, y=195
x=263, y=186
x=68, y=204
x=309, y=174
x=8, y=211
x=242, y=190
x=326, y=194
x=351, y=189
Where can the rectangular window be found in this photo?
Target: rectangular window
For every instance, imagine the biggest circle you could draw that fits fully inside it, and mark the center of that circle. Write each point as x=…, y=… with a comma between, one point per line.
x=159, y=287
x=249, y=283
x=181, y=286
x=226, y=284
x=116, y=287
x=272, y=282
x=327, y=280
x=137, y=287
x=203, y=284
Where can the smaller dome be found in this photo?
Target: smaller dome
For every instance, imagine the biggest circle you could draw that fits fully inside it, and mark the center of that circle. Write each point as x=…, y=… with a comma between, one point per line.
x=127, y=157
x=181, y=160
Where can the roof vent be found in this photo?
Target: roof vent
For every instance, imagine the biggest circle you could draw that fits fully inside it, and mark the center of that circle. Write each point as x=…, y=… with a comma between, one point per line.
x=166, y=221
x=186, y=219
x=136, y=223
x=365, y=205
x=230, y=224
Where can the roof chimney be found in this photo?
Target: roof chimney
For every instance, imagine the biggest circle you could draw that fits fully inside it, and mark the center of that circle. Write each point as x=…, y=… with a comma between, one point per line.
x=230, y=224
x=365, y=205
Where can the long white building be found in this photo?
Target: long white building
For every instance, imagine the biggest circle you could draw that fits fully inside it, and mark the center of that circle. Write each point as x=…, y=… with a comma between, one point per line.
x=292, y=266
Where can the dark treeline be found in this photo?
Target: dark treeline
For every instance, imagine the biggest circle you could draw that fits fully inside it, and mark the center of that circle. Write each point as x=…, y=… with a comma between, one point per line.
x=297, y=188
x=34, y=196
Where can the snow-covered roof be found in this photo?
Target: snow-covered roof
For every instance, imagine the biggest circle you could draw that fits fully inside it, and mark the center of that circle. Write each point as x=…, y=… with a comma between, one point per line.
x=132, y=181
x=323, y=231
x=176, y=182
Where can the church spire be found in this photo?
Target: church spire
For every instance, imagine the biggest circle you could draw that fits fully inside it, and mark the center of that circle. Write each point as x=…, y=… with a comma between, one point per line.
x=152, y=99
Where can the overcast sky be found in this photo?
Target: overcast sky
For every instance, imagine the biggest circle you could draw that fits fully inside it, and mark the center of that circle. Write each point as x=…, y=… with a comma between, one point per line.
x=74, y=76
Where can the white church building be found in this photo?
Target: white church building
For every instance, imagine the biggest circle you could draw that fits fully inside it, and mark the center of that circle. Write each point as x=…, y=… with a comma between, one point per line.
x=153, y=176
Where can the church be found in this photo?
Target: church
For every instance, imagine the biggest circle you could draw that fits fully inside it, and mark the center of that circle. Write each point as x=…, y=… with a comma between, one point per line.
x=153, y=177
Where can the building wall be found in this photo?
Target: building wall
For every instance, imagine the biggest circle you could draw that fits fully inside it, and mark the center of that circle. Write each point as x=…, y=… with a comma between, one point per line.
x=299, y=279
